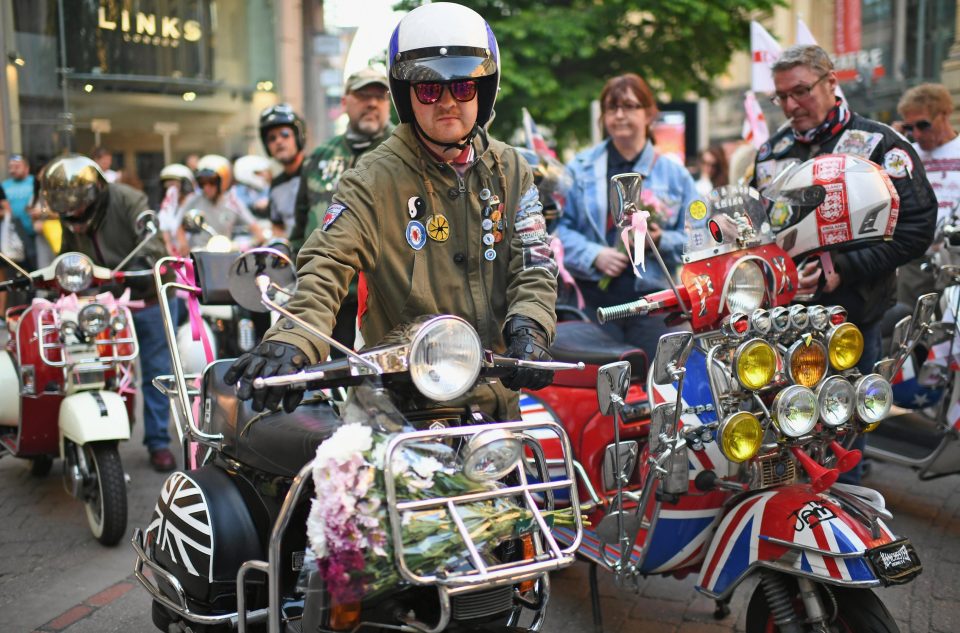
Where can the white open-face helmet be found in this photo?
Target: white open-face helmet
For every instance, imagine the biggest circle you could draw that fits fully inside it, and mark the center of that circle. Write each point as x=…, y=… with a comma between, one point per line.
x=830, y=200
x=247, y=170
x=443, y=42
x=180, y=173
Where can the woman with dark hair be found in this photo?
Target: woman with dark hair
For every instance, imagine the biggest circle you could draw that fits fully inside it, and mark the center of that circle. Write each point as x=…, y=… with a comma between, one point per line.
x=592, y=249
x=713, y=169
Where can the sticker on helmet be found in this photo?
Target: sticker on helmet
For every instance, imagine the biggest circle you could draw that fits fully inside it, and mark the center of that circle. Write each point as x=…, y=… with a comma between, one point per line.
x=333, y=212
x=897, y=163
x=416, y=235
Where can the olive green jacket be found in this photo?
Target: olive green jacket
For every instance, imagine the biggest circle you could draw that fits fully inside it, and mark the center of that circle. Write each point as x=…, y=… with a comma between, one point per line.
x=369, y=228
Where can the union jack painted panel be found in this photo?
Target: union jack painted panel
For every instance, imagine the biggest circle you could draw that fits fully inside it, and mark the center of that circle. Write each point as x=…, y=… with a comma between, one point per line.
x=180, y=526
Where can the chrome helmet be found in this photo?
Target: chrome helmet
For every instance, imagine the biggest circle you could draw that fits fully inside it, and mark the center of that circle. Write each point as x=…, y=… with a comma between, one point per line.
x=70, y=187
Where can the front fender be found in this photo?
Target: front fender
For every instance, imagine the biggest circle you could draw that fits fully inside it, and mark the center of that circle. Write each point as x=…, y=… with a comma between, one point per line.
x=94, y=416
x=794, y=530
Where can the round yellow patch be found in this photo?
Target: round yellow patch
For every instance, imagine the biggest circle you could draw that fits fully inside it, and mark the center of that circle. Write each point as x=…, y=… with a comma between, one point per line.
x=698, y=210
x=438, y=228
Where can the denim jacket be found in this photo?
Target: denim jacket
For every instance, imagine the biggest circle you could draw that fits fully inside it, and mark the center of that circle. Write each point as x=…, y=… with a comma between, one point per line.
x=582, y=226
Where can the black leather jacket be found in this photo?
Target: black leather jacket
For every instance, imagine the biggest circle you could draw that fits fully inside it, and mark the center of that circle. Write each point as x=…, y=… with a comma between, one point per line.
x=867, y=272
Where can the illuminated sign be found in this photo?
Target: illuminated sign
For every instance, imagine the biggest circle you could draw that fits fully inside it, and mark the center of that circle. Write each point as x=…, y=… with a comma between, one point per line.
x=149, y=28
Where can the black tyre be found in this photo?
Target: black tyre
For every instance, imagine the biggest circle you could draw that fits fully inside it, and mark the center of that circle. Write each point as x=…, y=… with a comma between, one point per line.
x=106, y=500
x=858, y=611
x=40, y=466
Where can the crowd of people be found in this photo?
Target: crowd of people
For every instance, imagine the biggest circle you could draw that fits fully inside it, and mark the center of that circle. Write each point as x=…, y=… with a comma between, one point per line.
x=436, y=216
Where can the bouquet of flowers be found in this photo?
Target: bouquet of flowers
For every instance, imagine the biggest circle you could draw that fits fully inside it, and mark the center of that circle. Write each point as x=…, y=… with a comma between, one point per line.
x=348, y=526
x=652, y=205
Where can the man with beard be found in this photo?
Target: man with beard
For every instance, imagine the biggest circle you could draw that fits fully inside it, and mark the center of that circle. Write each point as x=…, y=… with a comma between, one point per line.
x=283, y=134
x=366, y=101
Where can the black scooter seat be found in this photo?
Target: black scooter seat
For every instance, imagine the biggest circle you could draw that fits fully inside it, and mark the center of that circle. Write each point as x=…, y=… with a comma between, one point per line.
x=278, y=443
x=586, y=341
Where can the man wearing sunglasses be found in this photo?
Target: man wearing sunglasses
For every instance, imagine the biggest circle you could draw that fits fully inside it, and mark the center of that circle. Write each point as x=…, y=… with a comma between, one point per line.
x=926, y=111
x=283, y=134
x=860, y=278
x=441, y=219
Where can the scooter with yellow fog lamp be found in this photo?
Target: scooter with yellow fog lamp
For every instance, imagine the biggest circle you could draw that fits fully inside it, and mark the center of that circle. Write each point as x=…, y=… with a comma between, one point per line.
x=67, y=385
x=400, y=508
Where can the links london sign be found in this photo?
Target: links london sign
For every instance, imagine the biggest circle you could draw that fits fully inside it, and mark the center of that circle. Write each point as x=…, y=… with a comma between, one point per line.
x=156, y=38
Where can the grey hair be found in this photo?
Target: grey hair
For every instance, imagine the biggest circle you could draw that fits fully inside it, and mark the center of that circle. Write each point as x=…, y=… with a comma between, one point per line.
x=811, y=56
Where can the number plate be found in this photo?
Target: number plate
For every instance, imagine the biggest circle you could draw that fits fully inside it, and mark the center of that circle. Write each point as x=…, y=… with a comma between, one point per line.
x=895, y=563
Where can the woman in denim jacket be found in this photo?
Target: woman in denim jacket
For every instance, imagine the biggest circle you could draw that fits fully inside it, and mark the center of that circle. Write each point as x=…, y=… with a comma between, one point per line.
x=592, y=249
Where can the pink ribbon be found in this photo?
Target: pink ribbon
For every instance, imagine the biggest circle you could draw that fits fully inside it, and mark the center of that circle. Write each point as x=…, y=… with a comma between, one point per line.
x=638, y=224
x=557, y=247
x=183, y=269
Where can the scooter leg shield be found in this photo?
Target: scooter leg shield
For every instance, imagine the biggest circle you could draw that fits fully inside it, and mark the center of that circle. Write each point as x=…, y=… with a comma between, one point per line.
x=201, y=532
x=94, y=416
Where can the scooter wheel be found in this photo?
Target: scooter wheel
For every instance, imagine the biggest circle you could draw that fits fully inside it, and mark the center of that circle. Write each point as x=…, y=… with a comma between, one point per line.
x=40, y=466
x=107, y=501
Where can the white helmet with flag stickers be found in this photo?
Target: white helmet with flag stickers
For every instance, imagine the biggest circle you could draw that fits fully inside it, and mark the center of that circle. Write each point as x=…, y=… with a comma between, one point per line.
x=832, y=200
x=443, y=42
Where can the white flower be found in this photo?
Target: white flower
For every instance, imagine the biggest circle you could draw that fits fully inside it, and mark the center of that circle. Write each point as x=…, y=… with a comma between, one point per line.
x=347, y=441
x=426, y=466
x=316, y=529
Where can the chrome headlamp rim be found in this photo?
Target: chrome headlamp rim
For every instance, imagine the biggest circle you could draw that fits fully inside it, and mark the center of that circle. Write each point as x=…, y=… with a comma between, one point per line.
x=93, y=319
x=70, y=264
x=786, y=397
x=730, y=296
x=822, y=393
x=742, y=349
x=818, y=318
x=726, y=424
x=798, y=317
x=489, y=444
x=760, y=321
x=797, y=346
x=426, y=330
x=118, y=322
x=861, y=388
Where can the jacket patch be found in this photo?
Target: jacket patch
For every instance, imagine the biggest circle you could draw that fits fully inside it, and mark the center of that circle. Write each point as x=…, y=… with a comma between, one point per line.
x=416, y=207
x=783, y=145
x=897, y=163
x=532, y=228
x=530, y=204
x=416, y=235
x=858, y=142
x=333, y=212
x=539, y=255
x=764, y=152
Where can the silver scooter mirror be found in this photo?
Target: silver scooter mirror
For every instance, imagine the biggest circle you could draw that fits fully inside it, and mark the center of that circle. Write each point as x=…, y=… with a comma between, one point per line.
x=612, y=379
x=672, y=352
x=247, y=268
x=923, y=313
x=624, y=196
x=146, y=223
x=886, y=368
x=899, y=336
x=195, y=222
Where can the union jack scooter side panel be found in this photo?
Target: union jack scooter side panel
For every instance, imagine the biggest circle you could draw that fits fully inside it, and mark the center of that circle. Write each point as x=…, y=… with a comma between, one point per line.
x=794, y=530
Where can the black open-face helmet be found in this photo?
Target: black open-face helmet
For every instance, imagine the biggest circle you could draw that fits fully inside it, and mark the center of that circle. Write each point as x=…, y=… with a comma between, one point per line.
x=279, y=115
x=443, y=42
x=71, y=186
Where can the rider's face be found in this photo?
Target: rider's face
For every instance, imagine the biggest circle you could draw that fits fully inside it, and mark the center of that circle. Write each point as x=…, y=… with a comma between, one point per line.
x=809, y=110
x=282, y=143
x=447, y=120
x=368, y=109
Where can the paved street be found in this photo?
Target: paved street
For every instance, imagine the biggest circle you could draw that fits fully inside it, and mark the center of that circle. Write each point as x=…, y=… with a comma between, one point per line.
x=55, y=577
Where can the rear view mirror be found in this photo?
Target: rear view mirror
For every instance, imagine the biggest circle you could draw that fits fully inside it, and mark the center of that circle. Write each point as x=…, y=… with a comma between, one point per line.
x=612, y=379
x=672, y=352
x=923, y=313
x=899, y=337
x=146, y=223
x=624, y=197
x=194, y=221
x=256, y=263
x=886, y=368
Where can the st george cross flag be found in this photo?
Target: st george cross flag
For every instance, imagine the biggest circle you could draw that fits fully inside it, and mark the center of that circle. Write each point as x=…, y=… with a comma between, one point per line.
x=755, y=127
x=764, y=52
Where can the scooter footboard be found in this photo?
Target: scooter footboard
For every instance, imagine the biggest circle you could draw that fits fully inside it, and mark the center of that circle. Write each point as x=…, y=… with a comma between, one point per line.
x=799, y=532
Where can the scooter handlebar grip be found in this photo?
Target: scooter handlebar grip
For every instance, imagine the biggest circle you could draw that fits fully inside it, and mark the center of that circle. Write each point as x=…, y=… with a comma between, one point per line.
x=639, y=307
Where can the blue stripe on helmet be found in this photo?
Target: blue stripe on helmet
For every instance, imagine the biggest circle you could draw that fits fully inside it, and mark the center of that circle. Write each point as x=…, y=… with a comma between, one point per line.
x=492, y=43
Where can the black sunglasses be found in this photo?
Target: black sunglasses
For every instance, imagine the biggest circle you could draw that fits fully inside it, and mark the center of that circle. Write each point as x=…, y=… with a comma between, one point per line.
x=923, y=125
x=430, y=92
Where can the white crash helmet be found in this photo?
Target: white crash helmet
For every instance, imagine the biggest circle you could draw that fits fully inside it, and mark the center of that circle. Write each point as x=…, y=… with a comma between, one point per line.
x=180, y=173
x=443, y=42
x=247, y=170
x=212, y=165
x=830, y=200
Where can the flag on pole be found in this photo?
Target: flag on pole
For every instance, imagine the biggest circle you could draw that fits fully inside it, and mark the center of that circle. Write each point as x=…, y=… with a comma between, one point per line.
x=535, y=140
x=764, y=52
x=755, y=127
x=805, y=37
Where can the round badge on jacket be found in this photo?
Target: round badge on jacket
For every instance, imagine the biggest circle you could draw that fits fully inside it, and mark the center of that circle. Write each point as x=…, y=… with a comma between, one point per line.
x=438, y=228
x=416, y=235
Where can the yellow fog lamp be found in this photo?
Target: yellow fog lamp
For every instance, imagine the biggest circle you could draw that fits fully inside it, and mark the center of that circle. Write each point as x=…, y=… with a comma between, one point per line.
x=740, y=436
x=807, y=361
x=845, y=343
x=756, y=364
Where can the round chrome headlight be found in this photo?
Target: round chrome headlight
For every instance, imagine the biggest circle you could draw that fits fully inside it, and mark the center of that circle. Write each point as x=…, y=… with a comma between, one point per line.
x=807, y=362
x=795, y=411
x=874, y=398
x=489, y=455
x=118, y=323
x=760, y=321
x=836, y=398
x=819, y=319
x=740, y=436
x=845, y=343
x=779, y=319
x=745, y=287
x=445, y=358
x=756, y=364
x=74, y=272
x=798, y=316
x=93, y=319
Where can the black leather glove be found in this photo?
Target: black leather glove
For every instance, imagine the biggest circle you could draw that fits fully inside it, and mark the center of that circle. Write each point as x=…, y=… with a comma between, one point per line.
x=269, y=358
x=526, y=340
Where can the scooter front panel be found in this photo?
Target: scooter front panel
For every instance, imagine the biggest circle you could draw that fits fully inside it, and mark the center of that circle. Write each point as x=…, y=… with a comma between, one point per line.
x=779, y=528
